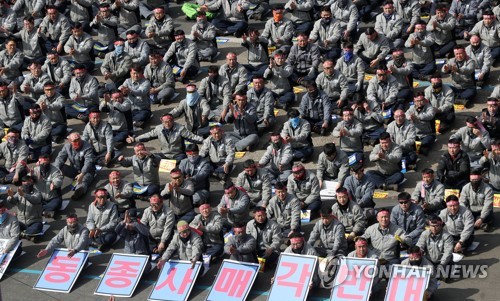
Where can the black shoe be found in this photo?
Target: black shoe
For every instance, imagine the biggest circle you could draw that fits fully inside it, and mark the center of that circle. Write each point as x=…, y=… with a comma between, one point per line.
x=486, y=227
x=394, y=187
x=104, y=248
x=119, y=145
x=138, y=124
x=220, y=176
x=59, y=139
x=35, y=238
x=79, y=192
x=322, y=132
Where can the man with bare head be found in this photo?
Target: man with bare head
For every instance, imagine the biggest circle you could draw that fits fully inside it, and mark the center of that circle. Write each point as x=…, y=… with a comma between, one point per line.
x=403, y=133
x=209, y=222
x=482, y=56
x=234, y=73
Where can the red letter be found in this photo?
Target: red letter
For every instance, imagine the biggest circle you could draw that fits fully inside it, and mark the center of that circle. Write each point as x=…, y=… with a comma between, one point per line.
x=63, y=267
x=224, y=281
x=119, y=273
x=240, y=282
x=299, y=286
x=187, y=279
x=350, y=281
x=118, y=282
x=394, y=287
x=57, y=277
x=170, y=281
x=414, y=288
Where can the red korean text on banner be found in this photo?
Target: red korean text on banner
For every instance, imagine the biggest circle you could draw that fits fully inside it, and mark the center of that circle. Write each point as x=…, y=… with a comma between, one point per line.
x=293, y=277
x=233, y=281
x=301, y=284
x=61, y=269
x=123, y=274
x=175, y=281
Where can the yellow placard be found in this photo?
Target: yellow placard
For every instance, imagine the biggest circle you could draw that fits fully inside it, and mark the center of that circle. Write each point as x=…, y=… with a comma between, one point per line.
x=398, y=238
x=176, y=70
x=415, y=84
x=418, y=144
x=368, y=77
x=167, y=165
x=276, y=112
x=271, y=49
x=239, y=155
x=347, y=235
x=496, y=200
x=380, y=195
x=459, y=107
x=5, y=130
x=305, y=216
x=448, y=192
x=298, y=90
x=262, y=263
x=438, y=125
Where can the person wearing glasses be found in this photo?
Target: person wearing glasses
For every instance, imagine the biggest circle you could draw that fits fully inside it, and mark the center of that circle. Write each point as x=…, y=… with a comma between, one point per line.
x=409, y=216
x=436, y=244
x=179, y=193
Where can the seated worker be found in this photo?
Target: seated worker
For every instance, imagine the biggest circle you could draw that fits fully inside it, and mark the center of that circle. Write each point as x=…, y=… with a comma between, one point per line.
x=330, y=233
